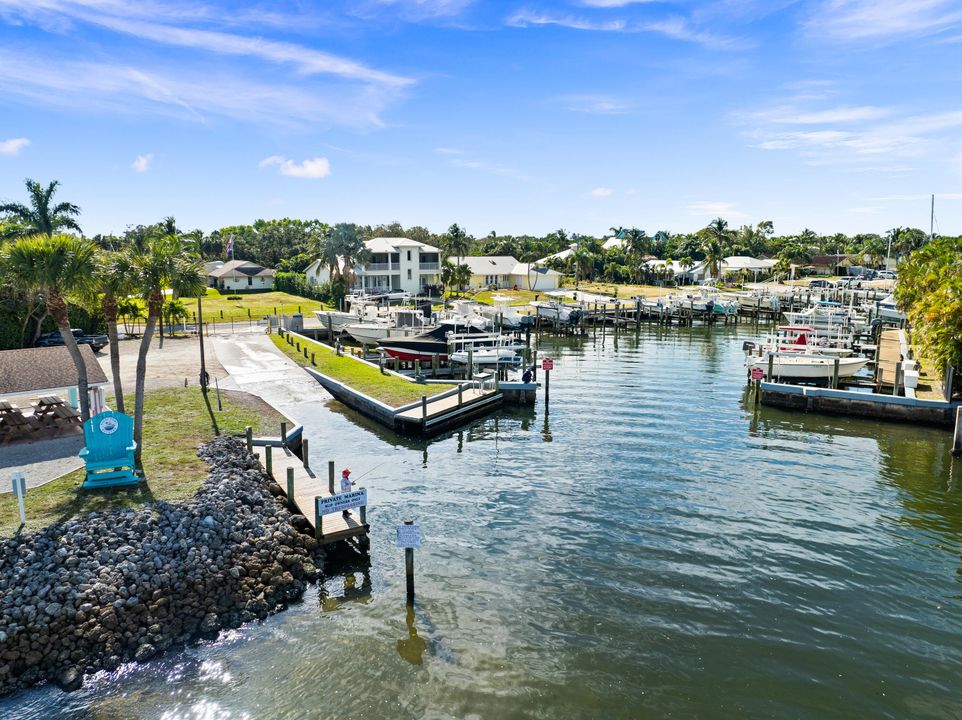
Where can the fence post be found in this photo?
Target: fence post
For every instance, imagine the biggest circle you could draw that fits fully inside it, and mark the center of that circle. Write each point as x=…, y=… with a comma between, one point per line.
x=290, y=487
x=249, y=435
x=269, y=460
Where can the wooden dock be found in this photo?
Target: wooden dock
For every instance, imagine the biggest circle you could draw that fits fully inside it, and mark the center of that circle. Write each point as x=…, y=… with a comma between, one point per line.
x=454, y=406
x=302, y=488
x=889, y=357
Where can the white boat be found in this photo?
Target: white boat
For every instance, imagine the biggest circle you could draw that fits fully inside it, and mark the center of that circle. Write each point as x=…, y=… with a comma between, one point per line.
x=368, y=333
x=806, y=339
x=889, y=311
x=503, y=312
x=808, y=367
x=487, y=356
x=335, y=319
x=557, y=311
x=826, y=316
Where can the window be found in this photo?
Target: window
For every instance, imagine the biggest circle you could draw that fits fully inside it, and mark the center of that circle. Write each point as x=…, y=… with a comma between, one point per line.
x=250, y=280
x=409, y=269
x=409, y=256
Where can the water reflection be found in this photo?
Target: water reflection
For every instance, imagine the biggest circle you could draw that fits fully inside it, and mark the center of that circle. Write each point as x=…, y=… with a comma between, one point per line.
x=412, y=647
x=347, y=578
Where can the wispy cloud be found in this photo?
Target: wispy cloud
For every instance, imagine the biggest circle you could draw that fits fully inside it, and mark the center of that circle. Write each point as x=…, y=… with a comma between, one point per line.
x=311, y=169
x=882, y=20
x=615, y=3
x=193, y=93
x=716, y=208
x=602, y=192
x=13, y=146
x=142, y=163
x=422, y=9
x=677, y=28
x=595, y=104
x=459, y=158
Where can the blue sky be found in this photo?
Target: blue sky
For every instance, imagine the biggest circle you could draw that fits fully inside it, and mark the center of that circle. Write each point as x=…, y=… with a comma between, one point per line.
x=518, y=117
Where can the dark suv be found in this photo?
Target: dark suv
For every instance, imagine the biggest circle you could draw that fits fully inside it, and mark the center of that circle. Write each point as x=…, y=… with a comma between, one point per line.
x=52, y=339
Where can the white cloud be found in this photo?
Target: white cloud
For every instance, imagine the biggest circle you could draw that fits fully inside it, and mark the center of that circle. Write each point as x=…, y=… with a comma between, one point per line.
x=595, y=104
x=192, y=92
x=716, y=208
x=13, y=146
x=424, y=9
x=677, y=28
x=142, y=162
x=311, y=169
x=459, y=158
x=601, y=192
x=882, y=20
x=614, y=3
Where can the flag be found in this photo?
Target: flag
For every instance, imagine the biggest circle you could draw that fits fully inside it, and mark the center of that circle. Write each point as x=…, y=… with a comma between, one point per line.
x=230, y=246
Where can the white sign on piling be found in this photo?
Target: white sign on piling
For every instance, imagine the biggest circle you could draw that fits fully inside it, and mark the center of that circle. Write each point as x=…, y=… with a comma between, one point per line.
x=19, y=488
x=344, y=501
x=409, y=536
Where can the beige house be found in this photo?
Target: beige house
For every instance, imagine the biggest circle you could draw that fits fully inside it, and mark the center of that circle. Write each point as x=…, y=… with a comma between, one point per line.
x=504, y=271
x=239, y=275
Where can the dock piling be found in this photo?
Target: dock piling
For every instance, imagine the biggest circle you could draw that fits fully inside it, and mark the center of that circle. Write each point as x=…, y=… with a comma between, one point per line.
x=409, y=566
x=835, y=364
x=330, y=476
x=269, y=460
x=305, y=458
x=284, y=434
x=957, y=437
x=249, y=435
x=290, y=487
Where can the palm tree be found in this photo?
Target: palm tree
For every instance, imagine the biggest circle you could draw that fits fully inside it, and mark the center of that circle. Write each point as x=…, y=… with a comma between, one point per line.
x=718, y=230
x=55, y=266
x=458, y=243
x=114, y=282
x=41, y=217
x=714, y=254
x=636, y=247
x=163, y=264
x=687, y=263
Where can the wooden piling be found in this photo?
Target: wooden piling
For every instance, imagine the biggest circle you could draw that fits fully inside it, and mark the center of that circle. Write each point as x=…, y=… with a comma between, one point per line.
x=896, y=383
x=409, y=566
x=305, y=457
x=957, y=437
x=248, y=434
x=284, y=434
x=290, y=487
x=269, y=460
x=330, y=476
x=771, y=367
x=835, y=364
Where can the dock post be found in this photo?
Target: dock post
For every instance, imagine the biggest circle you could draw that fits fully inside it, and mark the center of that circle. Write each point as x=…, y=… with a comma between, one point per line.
x=898, y=378
x=330, y=328
x=471, y=363
x=248, y=434
x=835, y=363
x=434, y=364
x=409, y=566
x=534, y=366
x=947, y=383
x=380, y=362
x=318, y=523
x=637, y=313
x=290, y=487
x=304, y=455
x=424, y=407
x=269, y=460
x=547, y=385
x=284, y=434
x=771, y=367
x=313, y=358
x=957, y=437
x=758, y=392
x=460, y=388
x=330, y=476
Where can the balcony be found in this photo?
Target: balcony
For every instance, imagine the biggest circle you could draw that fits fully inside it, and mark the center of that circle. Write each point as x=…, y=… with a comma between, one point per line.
x=429, y=266
x=379, y=267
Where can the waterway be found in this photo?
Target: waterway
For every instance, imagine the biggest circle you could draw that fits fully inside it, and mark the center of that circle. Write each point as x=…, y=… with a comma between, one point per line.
x=650, y=545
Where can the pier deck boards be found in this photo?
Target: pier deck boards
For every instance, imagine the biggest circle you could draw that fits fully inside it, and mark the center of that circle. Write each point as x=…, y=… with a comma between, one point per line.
x=890, y=353
x=443, y=405
x=307, y=486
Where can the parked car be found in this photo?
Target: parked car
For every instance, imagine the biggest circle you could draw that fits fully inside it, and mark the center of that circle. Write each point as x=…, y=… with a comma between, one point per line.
x=52, y=339
x=821, y=284
x=887, y=275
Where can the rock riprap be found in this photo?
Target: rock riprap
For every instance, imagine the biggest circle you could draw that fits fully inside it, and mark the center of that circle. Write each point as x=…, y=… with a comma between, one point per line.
x=92, y=593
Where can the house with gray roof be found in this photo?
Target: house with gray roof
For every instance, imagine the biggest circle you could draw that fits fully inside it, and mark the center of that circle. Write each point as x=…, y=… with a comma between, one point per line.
x=239, y=275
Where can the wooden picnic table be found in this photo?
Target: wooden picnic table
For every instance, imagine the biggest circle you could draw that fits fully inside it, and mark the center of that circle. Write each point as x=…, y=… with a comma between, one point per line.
x=13, y=423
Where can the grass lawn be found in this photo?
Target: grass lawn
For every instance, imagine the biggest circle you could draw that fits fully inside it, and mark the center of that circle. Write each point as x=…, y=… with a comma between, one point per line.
x=362, y=377
x=259, y=304
x=176, y=423
x=516, y=297
x=623, y=291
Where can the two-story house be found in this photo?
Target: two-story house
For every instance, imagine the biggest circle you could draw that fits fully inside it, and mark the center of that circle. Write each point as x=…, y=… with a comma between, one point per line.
x=395, y=264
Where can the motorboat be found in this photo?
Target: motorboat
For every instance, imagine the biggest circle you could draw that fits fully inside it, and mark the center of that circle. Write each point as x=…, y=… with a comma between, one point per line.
x=504, y=314
x=805, y=366
x=556, y=311
x=487, y=356
x=807, y=339
x=424, y=346
x=825, y=315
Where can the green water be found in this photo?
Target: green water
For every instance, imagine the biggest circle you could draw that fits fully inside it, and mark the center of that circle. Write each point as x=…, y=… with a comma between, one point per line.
x=650, y=546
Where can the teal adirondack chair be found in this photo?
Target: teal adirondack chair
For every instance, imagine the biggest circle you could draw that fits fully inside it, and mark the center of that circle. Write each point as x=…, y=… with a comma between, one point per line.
x=109, y=451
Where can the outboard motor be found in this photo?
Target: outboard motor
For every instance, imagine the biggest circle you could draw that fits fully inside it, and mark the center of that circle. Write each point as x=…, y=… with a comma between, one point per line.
x=426, y=309
x=574, y=317
x=748, y=347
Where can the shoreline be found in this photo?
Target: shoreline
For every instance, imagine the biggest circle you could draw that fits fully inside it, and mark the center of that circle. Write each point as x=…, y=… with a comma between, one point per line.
x=90, y=594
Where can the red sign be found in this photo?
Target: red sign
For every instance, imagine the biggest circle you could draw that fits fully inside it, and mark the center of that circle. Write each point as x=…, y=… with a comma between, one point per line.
x=757, y=373
x=547, y=364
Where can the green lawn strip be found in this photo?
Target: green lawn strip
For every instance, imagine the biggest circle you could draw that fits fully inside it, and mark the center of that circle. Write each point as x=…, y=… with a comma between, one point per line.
x=359, y=376
x=517, y=298
x=176, y=423
x=259, y=304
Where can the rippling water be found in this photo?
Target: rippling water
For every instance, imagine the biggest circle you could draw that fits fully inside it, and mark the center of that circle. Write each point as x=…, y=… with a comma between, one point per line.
x=651, y=545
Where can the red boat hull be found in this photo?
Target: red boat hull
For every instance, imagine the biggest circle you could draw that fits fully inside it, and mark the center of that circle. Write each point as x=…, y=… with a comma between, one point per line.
x=411, y=356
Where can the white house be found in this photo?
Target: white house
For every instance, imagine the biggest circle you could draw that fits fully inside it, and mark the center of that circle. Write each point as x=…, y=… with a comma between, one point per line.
x=755, y=266
x=504, y=271
x=694, y=274
x=240, y=275
x=396, y=264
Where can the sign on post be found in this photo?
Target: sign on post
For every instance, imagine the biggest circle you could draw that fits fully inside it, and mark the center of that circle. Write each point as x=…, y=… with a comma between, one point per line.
x=344, y=501
x=409, y=536
x=547, y=364
x=19, y=488
x=757, y=373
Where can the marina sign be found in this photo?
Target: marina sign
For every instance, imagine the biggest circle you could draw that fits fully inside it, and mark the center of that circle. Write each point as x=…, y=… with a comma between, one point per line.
x=344, y=501
x=409, y=536
x=757, y=373
x=547, y=364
